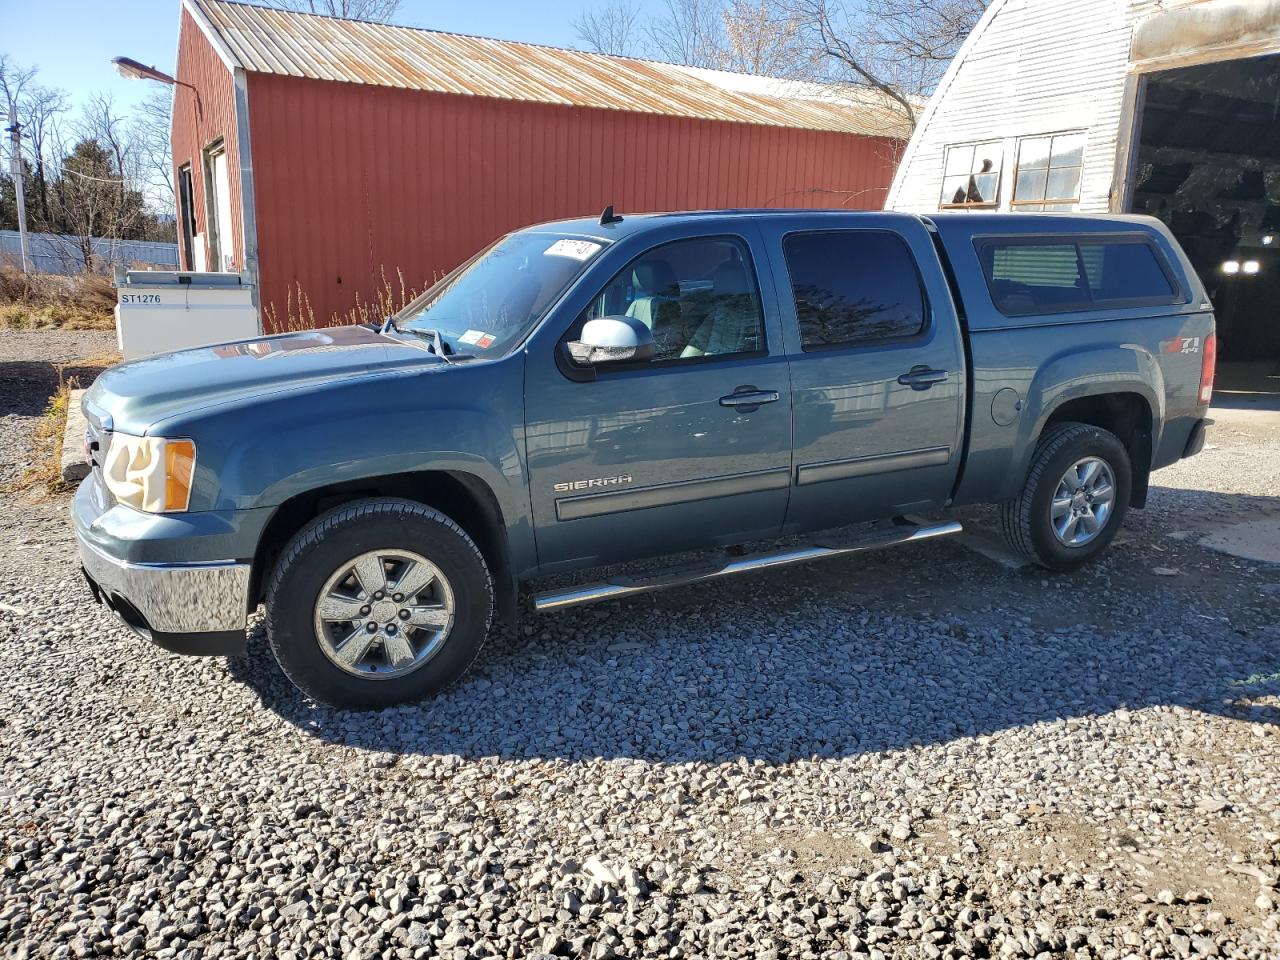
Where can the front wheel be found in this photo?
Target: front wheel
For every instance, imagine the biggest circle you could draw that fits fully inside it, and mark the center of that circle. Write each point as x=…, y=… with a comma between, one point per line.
x=1074, y=499
x=378, y=602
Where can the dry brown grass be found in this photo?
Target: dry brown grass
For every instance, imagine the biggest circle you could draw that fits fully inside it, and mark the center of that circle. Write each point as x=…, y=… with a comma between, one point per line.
x=44, y=477
x=386, y=302
x=43, y=301
x=299, y=315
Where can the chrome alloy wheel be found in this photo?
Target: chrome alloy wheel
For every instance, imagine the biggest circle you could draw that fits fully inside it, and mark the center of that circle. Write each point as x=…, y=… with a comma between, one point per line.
x=1083, y=501
x=384, y=614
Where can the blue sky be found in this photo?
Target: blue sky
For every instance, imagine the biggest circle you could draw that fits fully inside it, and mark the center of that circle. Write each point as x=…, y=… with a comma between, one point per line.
x=73, y=41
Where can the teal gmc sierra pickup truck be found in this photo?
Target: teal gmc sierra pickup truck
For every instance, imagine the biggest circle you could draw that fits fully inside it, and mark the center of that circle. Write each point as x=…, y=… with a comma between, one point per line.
x=591, y=392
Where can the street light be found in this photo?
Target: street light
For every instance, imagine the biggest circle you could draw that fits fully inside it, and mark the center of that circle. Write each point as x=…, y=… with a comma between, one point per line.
x=131, y=69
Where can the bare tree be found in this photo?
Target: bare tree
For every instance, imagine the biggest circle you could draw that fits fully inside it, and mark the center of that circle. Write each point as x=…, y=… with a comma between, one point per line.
x=103, y=125
x=149, y=130
x=925, y=32
x=766, y=39
x=92, y=199
x=899, y=47
x=13, y=79
x=379, y=11
x=612, y=28
x=690, y=32
x=41, y=109
x=91, y=178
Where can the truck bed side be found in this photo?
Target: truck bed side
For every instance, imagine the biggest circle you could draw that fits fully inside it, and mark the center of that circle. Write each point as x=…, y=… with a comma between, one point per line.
x=1134, y=370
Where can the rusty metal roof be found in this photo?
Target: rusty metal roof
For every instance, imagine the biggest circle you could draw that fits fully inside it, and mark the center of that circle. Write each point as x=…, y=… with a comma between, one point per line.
x=274, y=41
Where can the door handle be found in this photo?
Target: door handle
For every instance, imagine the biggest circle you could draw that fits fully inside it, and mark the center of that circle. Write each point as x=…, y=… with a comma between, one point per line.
x=922, y=378
x=749, y=397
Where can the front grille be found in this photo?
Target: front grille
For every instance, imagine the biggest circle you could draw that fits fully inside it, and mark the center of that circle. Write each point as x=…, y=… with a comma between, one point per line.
x=95, y=447
x=97, y=437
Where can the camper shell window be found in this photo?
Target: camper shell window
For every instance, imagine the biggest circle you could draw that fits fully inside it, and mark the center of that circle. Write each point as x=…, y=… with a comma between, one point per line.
x=1057, y=274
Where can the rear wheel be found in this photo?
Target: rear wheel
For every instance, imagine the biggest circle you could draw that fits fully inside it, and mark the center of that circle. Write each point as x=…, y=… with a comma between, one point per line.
x=1074, y=499
x=378, y=602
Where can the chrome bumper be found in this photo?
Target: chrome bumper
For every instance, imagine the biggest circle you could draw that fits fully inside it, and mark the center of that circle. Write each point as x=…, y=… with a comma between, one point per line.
x=171, y=598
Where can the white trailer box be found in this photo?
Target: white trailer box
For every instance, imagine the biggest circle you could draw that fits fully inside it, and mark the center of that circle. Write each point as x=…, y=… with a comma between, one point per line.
x=162, y=310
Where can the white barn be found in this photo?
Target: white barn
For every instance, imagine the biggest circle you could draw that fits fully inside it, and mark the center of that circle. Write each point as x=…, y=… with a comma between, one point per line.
x=1166, y=107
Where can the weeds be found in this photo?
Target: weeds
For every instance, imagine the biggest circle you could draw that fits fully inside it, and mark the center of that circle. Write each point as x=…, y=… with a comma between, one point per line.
x=298, y=313
x=39, y=301
x=388, y=300
x=44, y=476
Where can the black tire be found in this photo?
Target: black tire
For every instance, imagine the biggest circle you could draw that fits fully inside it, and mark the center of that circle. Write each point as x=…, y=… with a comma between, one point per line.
x=1026, y=522
x=337, y=537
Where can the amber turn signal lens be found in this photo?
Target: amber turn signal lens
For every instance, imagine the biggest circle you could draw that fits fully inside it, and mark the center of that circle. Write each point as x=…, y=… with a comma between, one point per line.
x=180, y=465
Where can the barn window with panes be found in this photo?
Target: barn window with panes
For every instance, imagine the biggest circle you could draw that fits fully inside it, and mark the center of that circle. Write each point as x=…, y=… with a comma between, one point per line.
x=1047, y=175
x=971, y=176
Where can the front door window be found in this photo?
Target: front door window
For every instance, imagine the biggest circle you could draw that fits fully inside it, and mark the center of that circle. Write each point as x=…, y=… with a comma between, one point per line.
x=698, y=298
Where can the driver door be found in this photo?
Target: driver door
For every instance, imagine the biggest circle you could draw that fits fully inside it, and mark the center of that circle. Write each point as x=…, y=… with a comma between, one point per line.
x=638, y=459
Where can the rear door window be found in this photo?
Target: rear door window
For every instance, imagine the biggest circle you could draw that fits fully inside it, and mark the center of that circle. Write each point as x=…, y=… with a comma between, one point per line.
x=853, y=286
x=1060, y=274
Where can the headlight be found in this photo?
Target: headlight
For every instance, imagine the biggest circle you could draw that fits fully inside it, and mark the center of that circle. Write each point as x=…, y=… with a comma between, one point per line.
x=150, y=473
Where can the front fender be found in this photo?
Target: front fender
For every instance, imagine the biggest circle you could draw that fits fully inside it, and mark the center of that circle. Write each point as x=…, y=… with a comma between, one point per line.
x=260, y=453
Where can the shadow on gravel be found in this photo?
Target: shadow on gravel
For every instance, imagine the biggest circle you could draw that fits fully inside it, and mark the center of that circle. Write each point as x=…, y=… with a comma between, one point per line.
x=27, y=385
x=917, y=646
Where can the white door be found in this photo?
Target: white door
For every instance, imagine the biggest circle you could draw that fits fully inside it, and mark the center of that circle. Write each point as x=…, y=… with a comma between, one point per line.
x=221, y=247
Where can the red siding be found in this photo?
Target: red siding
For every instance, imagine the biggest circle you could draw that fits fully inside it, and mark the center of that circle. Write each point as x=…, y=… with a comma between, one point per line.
x=351, y=180
x=197, y=125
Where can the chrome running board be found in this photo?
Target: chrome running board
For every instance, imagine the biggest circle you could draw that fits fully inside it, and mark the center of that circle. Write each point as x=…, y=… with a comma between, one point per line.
x=627, y=586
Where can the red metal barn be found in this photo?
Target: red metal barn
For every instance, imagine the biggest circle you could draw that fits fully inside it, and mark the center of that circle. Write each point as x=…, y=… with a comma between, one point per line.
x=322, y=154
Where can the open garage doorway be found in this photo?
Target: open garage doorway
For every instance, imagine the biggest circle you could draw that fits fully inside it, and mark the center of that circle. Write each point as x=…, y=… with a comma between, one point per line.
x=1208, y=165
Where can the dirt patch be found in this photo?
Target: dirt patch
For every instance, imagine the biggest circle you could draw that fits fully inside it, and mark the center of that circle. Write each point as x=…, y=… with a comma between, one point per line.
x=1255, y=539
x=1184, y=880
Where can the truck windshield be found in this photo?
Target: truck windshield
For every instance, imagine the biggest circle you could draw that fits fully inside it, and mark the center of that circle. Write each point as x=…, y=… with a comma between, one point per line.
x=489, y=304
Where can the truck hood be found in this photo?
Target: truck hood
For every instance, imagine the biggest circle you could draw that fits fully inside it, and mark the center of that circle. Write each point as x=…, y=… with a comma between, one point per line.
x=143, y=392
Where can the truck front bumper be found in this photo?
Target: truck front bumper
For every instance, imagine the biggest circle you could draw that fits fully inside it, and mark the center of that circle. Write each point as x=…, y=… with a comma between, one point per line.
x=196, y=608
x=193, y=607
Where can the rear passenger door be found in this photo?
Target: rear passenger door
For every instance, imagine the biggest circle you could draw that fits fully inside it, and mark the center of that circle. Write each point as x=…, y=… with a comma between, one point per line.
x=877, y=368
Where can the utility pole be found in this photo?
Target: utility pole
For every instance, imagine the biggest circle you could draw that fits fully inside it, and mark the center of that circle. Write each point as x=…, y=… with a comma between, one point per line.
x=15, y=168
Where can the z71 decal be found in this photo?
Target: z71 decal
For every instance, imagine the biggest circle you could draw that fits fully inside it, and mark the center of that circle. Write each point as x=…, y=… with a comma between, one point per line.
x=594, y=483
x=1180, y=345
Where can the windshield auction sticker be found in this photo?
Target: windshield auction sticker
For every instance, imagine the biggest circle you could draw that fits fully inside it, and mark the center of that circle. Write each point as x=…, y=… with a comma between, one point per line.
x=477, y=338
x=577, y=249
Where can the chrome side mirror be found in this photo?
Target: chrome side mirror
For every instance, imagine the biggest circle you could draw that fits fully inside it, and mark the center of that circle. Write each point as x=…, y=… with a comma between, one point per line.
x=612, y=340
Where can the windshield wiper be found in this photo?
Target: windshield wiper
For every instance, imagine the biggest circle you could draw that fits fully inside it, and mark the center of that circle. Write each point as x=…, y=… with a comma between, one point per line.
x=432, y=336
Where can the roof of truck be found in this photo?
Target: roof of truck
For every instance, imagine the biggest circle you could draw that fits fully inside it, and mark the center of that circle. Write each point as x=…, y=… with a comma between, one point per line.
x=976, y=223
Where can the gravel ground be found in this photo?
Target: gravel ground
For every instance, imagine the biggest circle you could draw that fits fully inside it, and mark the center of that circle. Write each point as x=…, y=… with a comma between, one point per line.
x=918, y=753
